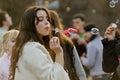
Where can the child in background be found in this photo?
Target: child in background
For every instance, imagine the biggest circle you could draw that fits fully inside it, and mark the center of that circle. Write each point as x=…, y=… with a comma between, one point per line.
x=8, y=41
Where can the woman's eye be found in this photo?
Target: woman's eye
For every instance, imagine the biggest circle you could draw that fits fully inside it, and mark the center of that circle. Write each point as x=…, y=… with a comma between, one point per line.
x=40, y=19
x=13, y=40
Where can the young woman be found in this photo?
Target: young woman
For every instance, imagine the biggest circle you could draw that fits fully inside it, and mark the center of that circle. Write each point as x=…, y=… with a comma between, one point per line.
x=111, y=51
x=30, y=57
x=93, y=59
x=8, y=41
x=72, y=63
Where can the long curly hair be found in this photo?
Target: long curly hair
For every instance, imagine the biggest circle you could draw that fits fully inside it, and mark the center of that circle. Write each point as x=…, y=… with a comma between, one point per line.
x=56, y=23
x=27, y=32
x=66, y=44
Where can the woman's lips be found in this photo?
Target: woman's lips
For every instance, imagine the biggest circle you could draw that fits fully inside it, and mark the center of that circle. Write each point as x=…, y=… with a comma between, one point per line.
x=47, y=28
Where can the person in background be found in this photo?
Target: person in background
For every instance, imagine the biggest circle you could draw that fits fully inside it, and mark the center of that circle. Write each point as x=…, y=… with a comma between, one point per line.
x=78, y=37
x=72, y=63
x=5, y=23
x=111, y=50
x=8, y=41
x=93, y=59
x=78, y=21
x=31, y=58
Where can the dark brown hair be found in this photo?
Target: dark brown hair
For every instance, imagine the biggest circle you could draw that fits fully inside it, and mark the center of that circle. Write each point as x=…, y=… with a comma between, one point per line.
x=27, y=32
x=66, y=44
x=56, y=23
x=80, y=16
x=2, y=17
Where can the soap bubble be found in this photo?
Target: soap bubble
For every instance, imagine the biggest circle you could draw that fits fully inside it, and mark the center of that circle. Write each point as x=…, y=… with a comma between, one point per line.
x=95, y=31
x=114, y=25
x=116, y=1
x=112, y=4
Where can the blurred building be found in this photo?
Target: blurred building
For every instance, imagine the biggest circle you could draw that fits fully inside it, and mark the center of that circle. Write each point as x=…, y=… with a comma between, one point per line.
x=49, y=4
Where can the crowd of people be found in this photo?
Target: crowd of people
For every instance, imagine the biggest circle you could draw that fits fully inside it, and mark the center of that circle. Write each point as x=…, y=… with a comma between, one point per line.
x=42, y=49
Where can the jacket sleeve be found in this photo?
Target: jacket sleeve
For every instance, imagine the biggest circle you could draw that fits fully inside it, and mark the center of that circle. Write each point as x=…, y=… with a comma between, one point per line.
x=91, y=54
x=1, y=73
x=78, y=65
x=110, y=61
x=41, y=66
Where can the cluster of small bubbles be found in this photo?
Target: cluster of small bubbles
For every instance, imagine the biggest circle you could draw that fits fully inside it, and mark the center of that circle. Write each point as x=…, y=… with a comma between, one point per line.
x=112, y=3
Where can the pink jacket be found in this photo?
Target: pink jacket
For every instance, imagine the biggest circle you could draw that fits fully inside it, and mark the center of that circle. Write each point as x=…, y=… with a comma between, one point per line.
x=4, y=67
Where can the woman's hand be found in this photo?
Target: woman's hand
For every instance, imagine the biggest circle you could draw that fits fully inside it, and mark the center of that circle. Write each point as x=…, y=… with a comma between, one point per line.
x=110, y=32
x=55, y=45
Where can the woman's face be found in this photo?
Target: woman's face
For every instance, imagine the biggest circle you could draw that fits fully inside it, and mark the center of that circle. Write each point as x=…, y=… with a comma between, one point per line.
x=43, y=25
x=8, y=20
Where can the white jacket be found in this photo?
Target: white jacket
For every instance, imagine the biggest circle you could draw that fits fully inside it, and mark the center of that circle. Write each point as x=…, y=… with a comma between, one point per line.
x=35, y=63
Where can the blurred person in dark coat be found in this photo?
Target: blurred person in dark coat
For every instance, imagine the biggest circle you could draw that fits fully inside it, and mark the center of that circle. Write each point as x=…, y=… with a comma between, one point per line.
x=111, y=50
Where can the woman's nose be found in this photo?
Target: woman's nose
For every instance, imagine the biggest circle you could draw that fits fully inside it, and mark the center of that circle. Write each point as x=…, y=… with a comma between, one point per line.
x=46, y=22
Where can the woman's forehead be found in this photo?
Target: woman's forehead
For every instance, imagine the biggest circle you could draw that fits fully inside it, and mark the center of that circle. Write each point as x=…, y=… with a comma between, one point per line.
x=41, y=13
x=13, y=36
